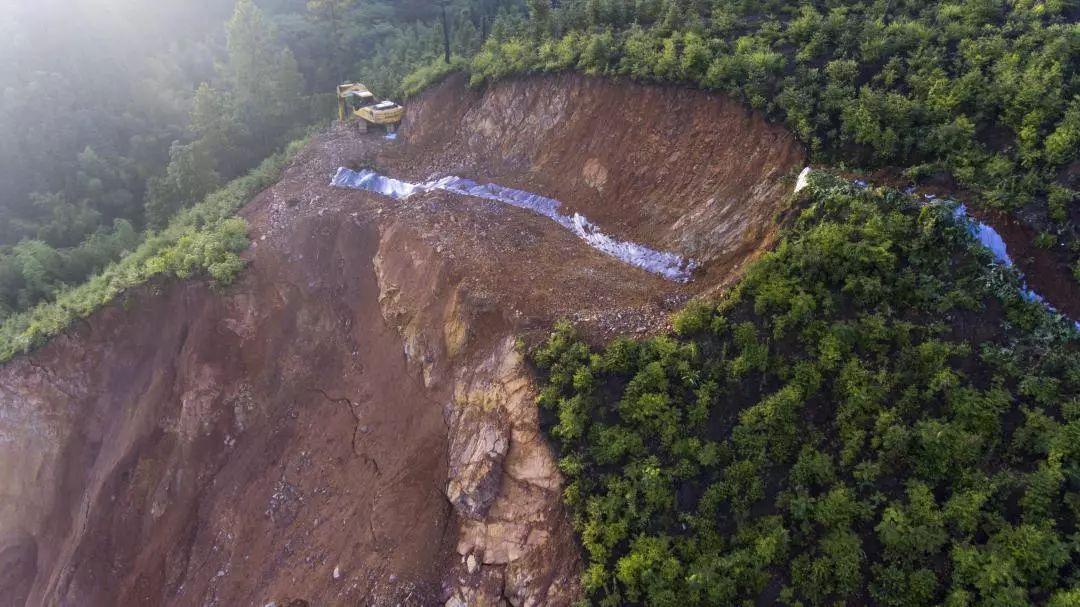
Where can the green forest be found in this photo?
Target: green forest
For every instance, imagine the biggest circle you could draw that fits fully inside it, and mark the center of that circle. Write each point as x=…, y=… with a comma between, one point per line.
x=875, y=415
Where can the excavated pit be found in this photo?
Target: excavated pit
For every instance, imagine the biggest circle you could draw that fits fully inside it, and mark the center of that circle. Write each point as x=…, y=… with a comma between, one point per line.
x=351, y=423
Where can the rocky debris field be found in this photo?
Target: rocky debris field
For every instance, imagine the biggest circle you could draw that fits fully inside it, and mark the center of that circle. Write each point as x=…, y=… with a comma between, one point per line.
x=353, y=422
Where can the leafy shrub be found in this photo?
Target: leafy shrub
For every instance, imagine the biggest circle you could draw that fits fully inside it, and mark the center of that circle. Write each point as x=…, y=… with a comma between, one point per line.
x=429, y=74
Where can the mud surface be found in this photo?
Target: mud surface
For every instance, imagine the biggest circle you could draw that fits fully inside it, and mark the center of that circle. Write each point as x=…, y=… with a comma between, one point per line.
x=352, y=423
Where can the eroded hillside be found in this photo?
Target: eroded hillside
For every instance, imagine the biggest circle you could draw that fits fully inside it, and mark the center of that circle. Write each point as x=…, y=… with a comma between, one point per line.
x=351, y=422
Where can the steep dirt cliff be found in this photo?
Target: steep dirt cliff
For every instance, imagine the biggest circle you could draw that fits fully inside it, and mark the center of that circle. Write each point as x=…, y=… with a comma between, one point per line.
x=674, y=168
x=352, y=422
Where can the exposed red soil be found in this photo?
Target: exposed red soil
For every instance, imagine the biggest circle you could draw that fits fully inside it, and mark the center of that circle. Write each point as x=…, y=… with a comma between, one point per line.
x=235, y=449
x=1046, y=270
x=350, y=422
x=675, y=168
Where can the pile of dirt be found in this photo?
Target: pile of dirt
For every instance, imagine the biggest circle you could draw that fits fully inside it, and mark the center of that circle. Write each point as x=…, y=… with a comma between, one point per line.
x=352, y=422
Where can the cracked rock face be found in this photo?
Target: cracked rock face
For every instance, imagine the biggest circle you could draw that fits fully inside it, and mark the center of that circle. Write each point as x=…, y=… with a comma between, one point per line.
x=484, y=590
x=479, y=441
x=514, y=540
x=506, y=467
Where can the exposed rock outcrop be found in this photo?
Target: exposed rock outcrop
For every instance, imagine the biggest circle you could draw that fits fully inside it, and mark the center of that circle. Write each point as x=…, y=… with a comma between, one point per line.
x=479, y=441
x=502, y=479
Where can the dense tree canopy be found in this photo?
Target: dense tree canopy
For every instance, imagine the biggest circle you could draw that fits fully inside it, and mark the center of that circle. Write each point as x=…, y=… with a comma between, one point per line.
x=874, y=416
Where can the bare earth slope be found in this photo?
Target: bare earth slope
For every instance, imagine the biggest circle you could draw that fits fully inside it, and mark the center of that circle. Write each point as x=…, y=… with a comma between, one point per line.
x=351, y=422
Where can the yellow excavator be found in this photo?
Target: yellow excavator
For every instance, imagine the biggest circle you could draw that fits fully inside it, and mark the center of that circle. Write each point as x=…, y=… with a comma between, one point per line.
x=357, y=104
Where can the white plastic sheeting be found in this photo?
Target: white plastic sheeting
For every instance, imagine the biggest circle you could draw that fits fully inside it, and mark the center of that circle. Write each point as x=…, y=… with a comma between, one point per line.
x=986, y=235
x=803, y=180
x=669, y=265
x=373, y=182
x=992, y=241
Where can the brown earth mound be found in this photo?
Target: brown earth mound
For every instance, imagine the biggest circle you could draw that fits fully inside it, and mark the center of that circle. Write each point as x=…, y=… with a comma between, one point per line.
x=352, y=423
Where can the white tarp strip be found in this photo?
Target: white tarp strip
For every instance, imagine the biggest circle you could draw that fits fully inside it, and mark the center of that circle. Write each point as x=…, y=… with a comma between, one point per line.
x=801, y=182
x=668, y=265
x=986, y=235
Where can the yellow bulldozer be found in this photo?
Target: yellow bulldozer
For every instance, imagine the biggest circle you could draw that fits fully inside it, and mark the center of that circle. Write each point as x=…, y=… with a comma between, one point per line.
x=357, y=104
